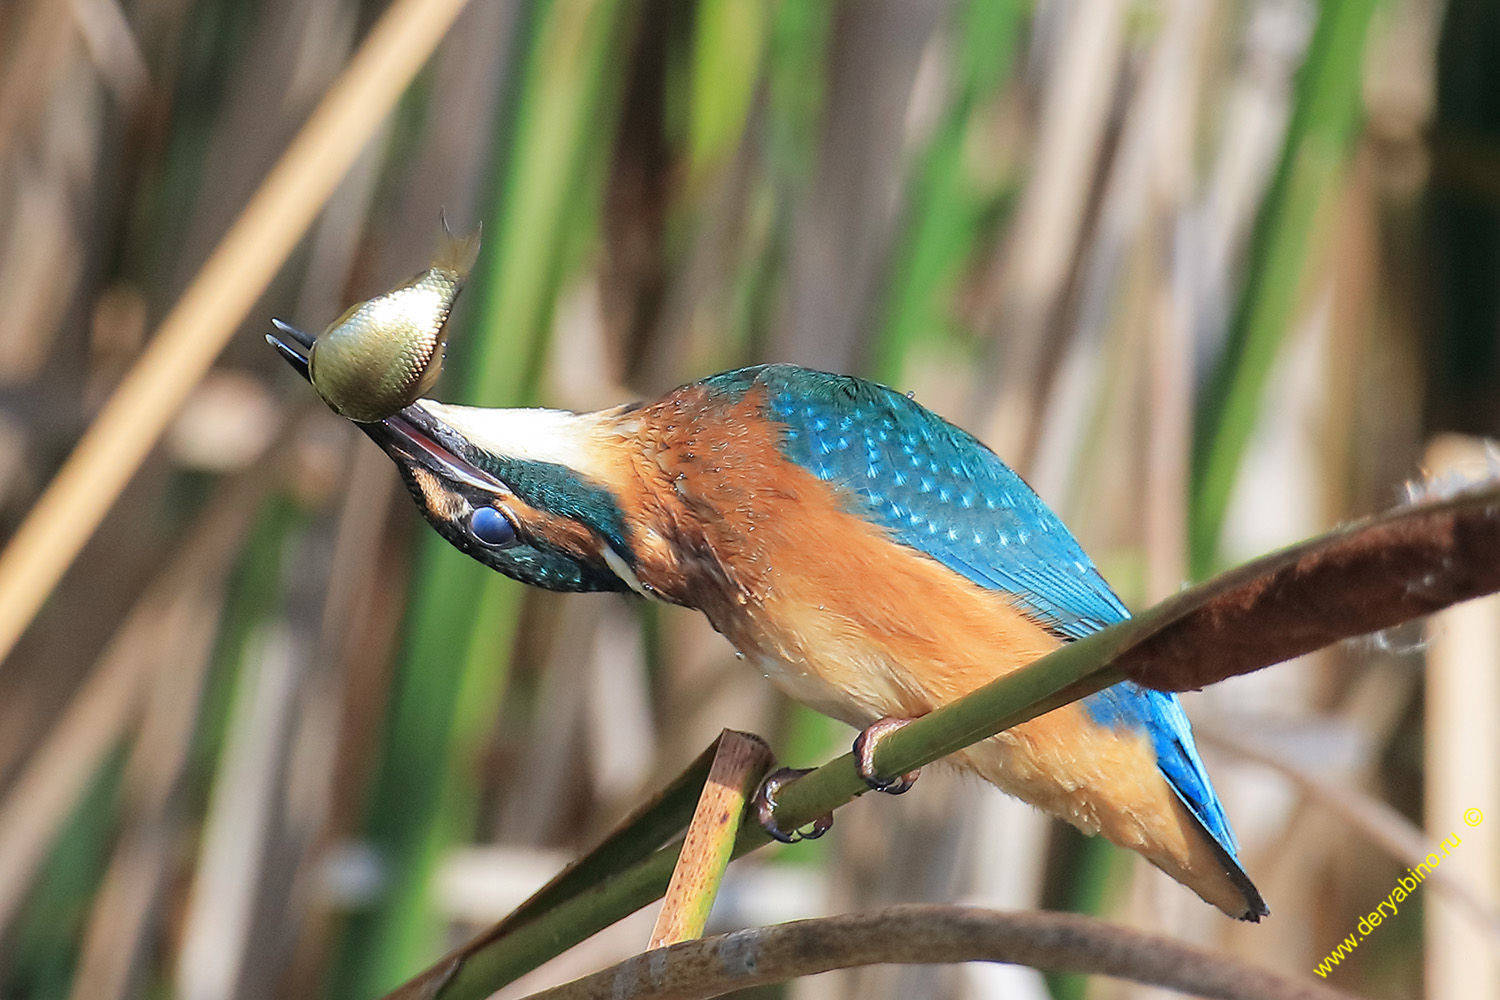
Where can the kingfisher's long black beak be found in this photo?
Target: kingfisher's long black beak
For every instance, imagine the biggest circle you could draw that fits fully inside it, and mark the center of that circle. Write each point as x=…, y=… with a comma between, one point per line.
x=412, y=437
x=416, y=438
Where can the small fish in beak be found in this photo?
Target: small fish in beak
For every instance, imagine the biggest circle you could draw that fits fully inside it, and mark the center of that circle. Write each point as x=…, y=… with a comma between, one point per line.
x=384, y=353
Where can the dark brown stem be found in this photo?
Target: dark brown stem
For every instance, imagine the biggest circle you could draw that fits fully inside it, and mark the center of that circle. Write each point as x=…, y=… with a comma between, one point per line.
x=1367, y=576
x=927, y=934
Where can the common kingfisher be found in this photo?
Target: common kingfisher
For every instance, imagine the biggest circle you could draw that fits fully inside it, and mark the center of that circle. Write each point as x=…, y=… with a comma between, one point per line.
x=873, y=559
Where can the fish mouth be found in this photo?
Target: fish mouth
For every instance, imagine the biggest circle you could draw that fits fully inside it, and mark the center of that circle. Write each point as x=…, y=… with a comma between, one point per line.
x=296, y=348
x=411, y=437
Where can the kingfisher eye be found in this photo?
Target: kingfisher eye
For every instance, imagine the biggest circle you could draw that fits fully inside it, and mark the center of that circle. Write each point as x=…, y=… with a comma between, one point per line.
x=490, y=527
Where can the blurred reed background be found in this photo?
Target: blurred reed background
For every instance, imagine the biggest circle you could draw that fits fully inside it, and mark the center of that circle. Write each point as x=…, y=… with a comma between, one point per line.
x=1212, y=275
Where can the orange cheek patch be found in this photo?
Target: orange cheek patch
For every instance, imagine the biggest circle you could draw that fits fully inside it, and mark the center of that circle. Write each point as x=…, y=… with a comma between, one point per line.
x=561, y=533
x=434, y=496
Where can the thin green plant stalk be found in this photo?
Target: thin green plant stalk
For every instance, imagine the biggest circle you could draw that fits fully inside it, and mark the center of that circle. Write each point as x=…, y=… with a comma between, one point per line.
x=464, y=617
x=946, y=210
x=637, y=839
x=728, y=46
x=560, y=127
x=43, y=949
x=1324, y=121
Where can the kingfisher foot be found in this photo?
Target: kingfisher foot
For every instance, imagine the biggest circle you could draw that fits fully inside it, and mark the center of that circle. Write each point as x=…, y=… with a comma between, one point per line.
x=764, y=804
x=864, y=758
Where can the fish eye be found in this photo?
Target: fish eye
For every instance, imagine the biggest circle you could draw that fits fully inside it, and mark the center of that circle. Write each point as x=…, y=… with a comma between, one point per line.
x=491, y=528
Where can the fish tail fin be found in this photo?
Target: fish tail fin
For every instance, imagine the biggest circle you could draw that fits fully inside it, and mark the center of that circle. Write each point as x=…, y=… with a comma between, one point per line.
x=458, y=253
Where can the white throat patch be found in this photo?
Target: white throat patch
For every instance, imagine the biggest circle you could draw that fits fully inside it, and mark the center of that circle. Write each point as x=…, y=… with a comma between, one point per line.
x=556, y=436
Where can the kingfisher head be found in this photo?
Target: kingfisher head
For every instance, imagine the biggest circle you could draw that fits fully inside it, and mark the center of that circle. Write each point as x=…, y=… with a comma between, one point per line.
x=529, y=492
